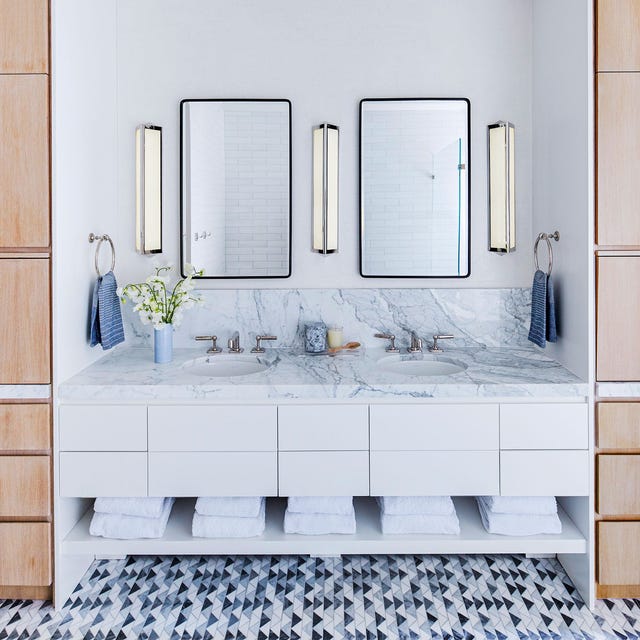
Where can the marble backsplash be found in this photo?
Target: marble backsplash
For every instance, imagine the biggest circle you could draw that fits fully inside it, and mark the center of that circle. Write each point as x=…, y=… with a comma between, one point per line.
x=491, y=317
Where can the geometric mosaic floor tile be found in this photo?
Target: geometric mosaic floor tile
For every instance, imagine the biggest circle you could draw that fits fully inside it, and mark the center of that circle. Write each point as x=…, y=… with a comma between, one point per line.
x=297, y=597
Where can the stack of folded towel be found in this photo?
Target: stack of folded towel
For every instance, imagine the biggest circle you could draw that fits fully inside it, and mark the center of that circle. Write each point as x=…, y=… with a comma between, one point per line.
x=129, y=518
x=418, y=514
x=320, y=515
x=229, y=517
x=519, y=516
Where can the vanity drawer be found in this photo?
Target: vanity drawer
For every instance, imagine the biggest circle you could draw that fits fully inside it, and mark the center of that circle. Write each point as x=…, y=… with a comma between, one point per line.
x=25, y=487
x=323, y=473
x=618, y=485
x=618, y=425
x=323, y=427
x=213, y=428
x=25, y=427
x=29, y=560
x=544, y=473
x=437, y=427
x=90, y=475
x=431, y=473
x=544, y=426
x=103, y=428
x=253, y=473
x=618, y=553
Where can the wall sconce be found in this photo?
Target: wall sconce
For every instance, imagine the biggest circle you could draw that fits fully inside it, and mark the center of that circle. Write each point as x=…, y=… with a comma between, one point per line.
x=148, y=189
x=325, y=188
x=502, y=188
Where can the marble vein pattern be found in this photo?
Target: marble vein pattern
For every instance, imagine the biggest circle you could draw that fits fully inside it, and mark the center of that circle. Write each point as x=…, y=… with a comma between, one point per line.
x=31, y=391
x=130, y=374
x=618, y=389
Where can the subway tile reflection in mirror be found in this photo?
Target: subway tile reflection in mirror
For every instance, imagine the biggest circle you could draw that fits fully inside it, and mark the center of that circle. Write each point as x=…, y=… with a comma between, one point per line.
x=236, y=187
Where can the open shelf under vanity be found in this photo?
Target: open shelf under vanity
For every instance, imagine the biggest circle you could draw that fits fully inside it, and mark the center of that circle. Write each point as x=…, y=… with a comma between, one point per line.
x=369, y=539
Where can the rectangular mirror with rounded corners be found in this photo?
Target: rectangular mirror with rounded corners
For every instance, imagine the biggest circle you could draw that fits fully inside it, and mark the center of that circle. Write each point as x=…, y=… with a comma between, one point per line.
x=235, y=190
x=415, y=203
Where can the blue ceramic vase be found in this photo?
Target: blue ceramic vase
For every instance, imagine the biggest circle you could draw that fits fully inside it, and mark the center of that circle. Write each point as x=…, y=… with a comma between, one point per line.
x=163, y=344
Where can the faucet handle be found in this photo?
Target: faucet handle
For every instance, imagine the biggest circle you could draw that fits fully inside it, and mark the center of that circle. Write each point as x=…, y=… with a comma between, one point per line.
x=214, y=348
x=259, y=348
x=435, y=348
x=392, y=341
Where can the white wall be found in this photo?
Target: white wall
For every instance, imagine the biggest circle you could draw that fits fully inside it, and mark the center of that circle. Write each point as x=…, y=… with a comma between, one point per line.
x=325, y=56
x=562, y=175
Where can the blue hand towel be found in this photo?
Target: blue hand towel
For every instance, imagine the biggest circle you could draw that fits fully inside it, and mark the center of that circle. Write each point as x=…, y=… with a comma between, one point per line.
x=552, y=335
x=106, y=317
x=538, y=329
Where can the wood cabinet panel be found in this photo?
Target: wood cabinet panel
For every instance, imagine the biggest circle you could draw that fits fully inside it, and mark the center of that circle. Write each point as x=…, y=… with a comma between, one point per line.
x=618, y=318
x=26, y=486
x=29, y=559
x=618, y=425
x=618, y=35
x=24, y=162
x=24, y=36
x=618, y=553
x=25, y=333
x=618, y=485
x=618, y=140
x=25, y=427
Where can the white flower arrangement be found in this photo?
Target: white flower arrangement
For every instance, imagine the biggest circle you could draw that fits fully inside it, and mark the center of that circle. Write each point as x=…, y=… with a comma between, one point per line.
x=153, y=301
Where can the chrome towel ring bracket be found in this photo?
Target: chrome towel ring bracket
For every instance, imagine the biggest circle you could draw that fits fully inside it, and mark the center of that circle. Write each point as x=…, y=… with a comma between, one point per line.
x=92, y=238
x=547, y=237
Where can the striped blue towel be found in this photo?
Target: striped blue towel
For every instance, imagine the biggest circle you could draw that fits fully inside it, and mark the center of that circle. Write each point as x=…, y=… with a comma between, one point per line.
x=106, y=317
x=552, y=335
x=538, y=329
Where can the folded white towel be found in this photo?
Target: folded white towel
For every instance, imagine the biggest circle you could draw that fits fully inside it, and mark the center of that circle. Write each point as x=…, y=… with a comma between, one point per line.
x=228, y=526
x=315, y=524
x=140, y=507
x=230, y=506
x=538, y=505
x=341, y=505
x=511, y=524
x=416, y=505
x=420, y=523
x=114, y=525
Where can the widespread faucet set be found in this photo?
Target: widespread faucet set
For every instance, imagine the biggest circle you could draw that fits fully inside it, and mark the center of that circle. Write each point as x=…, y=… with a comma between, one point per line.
x=234, y=343
x=415, y=345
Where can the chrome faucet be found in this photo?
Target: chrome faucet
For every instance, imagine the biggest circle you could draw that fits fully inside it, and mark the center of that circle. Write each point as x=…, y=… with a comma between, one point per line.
x=234, y=343
x=434, y=348
x=416, y=344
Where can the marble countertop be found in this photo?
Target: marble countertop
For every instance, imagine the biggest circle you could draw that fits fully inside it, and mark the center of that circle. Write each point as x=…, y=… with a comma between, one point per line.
x=129, y=374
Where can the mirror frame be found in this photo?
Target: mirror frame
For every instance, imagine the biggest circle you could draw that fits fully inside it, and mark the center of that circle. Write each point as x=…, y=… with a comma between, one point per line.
x=361, y=217
x=182, y=213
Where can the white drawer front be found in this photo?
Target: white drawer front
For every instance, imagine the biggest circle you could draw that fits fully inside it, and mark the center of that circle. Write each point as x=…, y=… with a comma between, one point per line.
x=324, y=473
x=434, y=427
x=117, y=475
x=544, y=426
x=213, y=474
x=213, y=428
x=544, y=473
x=431, y=473
x=323, y=427
x=103, y=428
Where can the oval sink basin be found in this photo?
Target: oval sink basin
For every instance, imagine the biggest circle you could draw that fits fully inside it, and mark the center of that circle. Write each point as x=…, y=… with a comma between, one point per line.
x=420, y=365
x=226, y=365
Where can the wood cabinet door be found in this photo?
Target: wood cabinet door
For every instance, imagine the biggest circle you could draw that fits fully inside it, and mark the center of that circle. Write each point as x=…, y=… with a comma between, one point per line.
x=25, y=334
x=618, y=35
x=25, y=553
x=618, y=318
x=24, y=36
x=24, y=161
x=26, y=487
x=618, y=553
x=25, y=427
x=618, y=157
x=618, y=425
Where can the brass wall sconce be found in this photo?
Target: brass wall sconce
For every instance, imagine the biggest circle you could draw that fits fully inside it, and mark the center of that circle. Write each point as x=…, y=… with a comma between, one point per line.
x=148, y=189
x=325, y=188
x=502, y=188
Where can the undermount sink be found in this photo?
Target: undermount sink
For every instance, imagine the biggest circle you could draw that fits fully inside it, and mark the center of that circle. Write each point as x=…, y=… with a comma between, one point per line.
x=420, y=365
x=226, y=365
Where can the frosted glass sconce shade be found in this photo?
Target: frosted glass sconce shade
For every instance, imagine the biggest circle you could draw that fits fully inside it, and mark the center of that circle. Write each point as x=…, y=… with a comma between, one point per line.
x=502, y=188
x=148, y=189
x=325, y=188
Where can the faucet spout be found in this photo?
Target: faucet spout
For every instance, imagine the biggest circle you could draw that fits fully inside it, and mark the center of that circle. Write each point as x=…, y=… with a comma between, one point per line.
x=234, y=343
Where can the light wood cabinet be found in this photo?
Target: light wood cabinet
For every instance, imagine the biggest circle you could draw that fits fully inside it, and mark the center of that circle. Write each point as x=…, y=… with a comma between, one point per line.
x=24, y=162
x=618, y=35
x=25, y=427
x=618, y=425
x=29, y=561
x=24, y=36
x=618, y=485
x=26, y=487
x=618, y=553
x=25, y=321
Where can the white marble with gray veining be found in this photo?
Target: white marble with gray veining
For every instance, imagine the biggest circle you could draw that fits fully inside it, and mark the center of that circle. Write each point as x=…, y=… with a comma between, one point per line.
x=24, y=391
x=130, y=375
x=618, y=389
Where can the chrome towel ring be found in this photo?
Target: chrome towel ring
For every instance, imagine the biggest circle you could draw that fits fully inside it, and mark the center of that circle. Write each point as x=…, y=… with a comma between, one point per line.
x=92, y=238
x=547, y=237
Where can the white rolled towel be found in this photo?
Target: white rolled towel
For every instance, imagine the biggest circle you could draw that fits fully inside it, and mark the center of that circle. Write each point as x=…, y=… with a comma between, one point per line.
x=141, y=507
x=538, y=505
x=316, y=524
x=114, y=525
x=420, y=523
x=512, y=524
x=416, y=505
x=341, y=505
x=241, y=507
x=229, y=526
